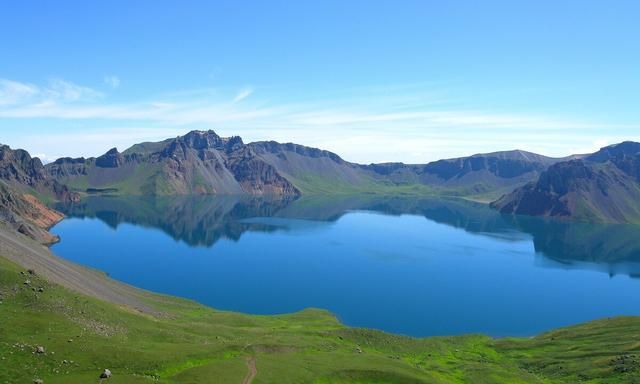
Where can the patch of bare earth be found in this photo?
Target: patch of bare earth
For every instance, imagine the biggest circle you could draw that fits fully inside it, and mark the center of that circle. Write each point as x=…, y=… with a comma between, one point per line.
x=41, y=215
x=252, y=370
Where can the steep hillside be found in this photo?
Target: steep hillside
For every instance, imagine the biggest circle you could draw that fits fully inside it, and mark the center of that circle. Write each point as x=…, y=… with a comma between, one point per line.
x=26, y=214
x=604, y=186
x=23, y=182
x=26, y=174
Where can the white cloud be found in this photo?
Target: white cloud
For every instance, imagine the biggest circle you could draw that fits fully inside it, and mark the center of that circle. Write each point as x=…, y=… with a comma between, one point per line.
x=64, y=91
x=15, y=95
x=243, y=94
x=377, y=126
x=14, y=92
x=112, y=81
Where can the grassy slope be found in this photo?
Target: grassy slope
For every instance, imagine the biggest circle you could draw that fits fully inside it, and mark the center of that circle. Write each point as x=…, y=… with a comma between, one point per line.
x=311, y=184
x=315, y=184
x=143, y=180
x=195, y=344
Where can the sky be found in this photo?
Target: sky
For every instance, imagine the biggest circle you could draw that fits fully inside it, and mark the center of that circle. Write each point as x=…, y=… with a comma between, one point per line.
x=374, y=81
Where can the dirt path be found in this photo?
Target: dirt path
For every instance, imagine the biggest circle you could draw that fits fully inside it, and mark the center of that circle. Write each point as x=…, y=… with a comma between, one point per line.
x=253, y=370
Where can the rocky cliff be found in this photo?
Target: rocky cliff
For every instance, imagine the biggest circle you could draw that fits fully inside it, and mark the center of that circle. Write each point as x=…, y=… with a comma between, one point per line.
x=23, y=183
x=604, y=186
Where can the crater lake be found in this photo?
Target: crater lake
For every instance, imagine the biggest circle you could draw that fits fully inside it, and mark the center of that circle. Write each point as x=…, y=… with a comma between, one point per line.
x=414, y=266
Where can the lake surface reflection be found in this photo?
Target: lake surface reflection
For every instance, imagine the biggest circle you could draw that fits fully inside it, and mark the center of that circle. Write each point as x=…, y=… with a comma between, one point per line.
x=406, y=265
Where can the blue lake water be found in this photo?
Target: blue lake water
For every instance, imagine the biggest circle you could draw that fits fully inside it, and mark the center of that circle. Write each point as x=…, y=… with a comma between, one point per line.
x=412, y=266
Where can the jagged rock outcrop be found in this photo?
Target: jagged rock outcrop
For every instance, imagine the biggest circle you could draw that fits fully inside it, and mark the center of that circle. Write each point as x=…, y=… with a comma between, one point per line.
x=27, y=215
x=200, y=162
x=111, y=159
x=604, y=186
x=24, y=173
x=22, y=178
x=19, y=170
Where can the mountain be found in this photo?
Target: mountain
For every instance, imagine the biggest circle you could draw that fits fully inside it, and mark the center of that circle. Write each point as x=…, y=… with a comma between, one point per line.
x=482, y=176
x=197, y=163
x=24, y=173
x=603, y=186
x=201, y=162
x=23, y=184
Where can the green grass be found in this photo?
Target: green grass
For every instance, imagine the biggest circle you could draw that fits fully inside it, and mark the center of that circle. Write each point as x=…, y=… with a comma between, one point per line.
x=191, y=343
x=147, y=180
x=314, y=184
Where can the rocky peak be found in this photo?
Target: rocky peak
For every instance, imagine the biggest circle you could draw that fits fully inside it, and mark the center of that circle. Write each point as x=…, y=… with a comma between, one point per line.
x=17, y=165
x=625, y=156
x=111, y=159
x=616, y=152
x=23, y=173
x=202, y=140
x=233, y=143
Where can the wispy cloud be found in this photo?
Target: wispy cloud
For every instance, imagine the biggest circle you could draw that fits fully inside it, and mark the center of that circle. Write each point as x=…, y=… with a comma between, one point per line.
x=112, y=81
x=16, y=95
x=59, y=90
x=381, y=125
x=243, y=94
x=14, y=92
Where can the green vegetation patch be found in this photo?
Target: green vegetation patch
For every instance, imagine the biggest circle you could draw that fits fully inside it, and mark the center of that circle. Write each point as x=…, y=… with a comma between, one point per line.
x=189, y=343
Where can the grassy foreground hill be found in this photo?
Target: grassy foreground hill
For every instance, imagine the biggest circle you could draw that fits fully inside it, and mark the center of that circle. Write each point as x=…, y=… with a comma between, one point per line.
x=170, y=340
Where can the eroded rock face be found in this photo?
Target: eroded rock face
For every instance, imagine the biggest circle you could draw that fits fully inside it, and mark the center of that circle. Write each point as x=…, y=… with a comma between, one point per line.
x=21, y=179
x=22, y=172
x=19, y=166
x=256, y=176
x=111, y=159
x=27, y=215
x=604, y=186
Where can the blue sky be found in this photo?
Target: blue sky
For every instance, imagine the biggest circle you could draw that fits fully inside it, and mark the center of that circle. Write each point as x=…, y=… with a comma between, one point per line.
x=374, y=81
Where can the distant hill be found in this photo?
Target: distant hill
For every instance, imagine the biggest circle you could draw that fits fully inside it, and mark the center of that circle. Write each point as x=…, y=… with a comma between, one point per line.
x=201, y=162
x=603, y=186
x=482, y=176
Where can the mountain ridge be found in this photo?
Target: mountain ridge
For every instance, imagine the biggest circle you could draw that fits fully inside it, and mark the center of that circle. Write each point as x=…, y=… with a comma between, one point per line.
x=201, y=162
x=602, y=186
